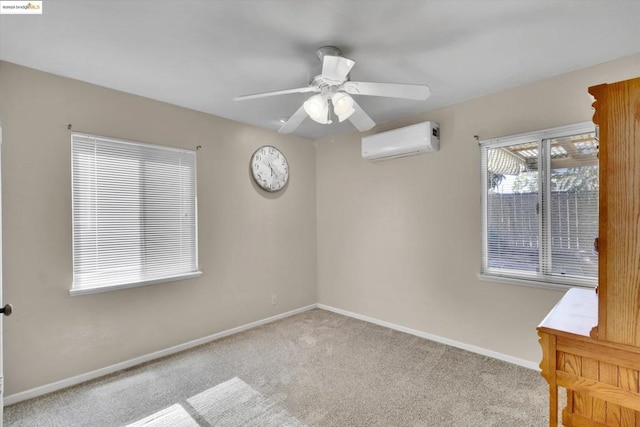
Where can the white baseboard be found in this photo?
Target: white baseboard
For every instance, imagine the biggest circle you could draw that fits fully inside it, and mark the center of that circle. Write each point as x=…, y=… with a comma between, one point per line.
x=447, y=341
x=68, y=382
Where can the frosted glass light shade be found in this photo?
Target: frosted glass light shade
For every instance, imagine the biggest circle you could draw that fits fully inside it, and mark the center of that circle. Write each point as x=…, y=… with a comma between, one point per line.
x=317, y=108
x=342, y=105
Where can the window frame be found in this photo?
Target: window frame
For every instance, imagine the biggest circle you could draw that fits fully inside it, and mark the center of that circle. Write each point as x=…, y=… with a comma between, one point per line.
x=75, y=290
x=518, y=277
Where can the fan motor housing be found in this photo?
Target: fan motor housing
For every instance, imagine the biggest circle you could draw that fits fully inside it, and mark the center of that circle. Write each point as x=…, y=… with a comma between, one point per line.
x=327, y=50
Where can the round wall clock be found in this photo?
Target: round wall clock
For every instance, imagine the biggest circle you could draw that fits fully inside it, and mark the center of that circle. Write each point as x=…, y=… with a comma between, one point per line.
x=269, y=168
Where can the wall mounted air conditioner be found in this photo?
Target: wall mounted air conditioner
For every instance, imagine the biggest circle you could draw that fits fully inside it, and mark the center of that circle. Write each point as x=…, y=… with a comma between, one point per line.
x=419, y=138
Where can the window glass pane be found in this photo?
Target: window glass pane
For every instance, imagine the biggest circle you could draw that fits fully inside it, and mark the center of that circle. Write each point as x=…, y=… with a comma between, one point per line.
x=573, y=206
x=512, y=207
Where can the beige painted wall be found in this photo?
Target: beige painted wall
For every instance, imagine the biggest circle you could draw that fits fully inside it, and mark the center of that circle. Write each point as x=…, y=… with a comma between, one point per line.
x=251, y=245
x=399, y=240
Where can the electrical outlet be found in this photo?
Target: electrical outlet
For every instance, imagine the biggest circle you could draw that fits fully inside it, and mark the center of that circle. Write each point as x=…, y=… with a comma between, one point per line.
x=274, y=299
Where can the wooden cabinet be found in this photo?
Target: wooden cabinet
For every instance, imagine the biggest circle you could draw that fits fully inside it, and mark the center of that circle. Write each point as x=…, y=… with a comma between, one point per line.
x=591, y=342
x=617, y=113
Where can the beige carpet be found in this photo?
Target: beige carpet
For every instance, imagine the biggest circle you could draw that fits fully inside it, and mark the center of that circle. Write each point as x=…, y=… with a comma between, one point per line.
x=315, y=369
x=232, y=403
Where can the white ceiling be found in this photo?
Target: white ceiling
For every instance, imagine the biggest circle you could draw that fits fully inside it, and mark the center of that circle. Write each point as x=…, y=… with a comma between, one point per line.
x=201, y=54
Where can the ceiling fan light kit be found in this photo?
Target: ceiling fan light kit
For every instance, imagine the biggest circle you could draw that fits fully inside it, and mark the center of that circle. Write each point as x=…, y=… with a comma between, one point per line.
x=333, y=86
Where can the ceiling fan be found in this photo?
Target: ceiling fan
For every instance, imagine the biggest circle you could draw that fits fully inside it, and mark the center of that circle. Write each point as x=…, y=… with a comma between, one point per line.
x=333, y=91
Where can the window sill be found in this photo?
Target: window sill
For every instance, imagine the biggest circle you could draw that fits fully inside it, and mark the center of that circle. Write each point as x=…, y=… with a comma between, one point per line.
x=488, y=277
x=84, y=291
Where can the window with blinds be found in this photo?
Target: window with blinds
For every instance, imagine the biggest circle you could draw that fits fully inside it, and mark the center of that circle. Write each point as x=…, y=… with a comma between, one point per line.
x=540, y=207
x=134, y=214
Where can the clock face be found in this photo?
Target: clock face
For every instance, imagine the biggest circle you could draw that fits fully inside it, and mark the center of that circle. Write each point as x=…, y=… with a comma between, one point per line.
x=269, y=168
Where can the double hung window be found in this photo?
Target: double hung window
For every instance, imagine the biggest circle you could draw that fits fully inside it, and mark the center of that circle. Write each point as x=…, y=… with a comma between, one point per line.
x=540, y=207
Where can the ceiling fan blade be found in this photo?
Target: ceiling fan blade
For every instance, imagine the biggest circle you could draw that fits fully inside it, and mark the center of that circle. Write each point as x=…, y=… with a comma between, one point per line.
x=336, y=68
x=360, y=119
x=294, y=121
x=391, y=90
x=278, y=92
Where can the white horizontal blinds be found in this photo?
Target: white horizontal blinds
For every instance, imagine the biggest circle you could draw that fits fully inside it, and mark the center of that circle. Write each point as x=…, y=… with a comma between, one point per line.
x=134, y=212
x=572, y=219
x=512, y=218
